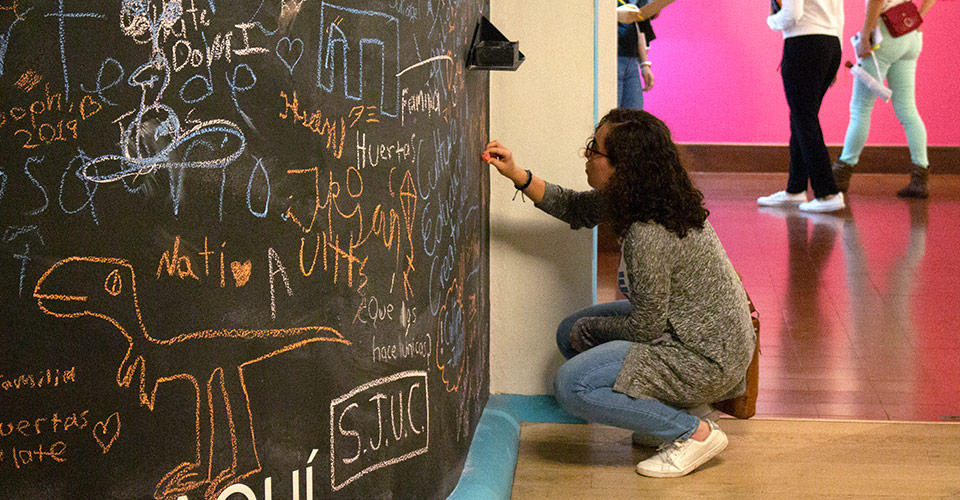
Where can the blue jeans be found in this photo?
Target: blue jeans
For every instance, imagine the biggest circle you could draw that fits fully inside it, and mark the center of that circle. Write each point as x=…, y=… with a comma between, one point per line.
x=584, y=386
x=897, y=58
x=629, y=83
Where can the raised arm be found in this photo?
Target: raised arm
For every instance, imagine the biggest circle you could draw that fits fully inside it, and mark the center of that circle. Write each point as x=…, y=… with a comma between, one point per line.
x=501, y=157
x=577, y=208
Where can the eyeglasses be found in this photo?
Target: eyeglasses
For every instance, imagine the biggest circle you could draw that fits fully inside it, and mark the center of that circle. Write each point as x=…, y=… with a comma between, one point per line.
x=591, y=149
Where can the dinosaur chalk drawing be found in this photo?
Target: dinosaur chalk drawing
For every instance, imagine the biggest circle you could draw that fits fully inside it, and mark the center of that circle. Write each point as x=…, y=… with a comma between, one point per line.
x=105, y=288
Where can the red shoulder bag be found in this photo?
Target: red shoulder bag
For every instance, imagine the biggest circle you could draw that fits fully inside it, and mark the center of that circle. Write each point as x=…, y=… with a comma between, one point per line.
x=902, y=19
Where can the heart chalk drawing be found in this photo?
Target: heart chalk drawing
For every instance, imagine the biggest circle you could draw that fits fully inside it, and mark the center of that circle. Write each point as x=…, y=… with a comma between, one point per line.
x=106, y=432
x=241, y=272
x=290, y=52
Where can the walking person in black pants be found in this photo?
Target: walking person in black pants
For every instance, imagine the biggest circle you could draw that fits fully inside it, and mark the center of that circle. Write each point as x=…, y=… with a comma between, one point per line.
x=811, y=57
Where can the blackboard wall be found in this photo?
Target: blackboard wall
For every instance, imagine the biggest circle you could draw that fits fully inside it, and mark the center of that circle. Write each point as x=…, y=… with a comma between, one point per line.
x=243, y=248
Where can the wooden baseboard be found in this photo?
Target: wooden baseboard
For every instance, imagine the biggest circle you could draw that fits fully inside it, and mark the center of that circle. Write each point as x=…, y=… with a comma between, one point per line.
x=774, y=159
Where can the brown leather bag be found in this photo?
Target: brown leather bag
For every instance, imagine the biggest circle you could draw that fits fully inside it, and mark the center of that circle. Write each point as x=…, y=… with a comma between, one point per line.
x=745, y=405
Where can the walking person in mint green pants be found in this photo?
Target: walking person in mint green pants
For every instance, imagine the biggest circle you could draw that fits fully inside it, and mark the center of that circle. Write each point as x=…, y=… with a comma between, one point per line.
x=897, y=61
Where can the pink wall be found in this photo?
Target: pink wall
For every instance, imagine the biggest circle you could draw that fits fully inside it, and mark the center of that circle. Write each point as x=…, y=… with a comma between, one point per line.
x=717, y=80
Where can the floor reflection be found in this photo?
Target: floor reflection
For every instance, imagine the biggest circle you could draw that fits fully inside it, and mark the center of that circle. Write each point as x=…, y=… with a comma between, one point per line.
x=857, y=308
x=809, y=325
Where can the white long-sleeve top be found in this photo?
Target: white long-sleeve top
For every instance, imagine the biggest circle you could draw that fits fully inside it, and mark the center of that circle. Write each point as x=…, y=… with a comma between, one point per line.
x=808, y=17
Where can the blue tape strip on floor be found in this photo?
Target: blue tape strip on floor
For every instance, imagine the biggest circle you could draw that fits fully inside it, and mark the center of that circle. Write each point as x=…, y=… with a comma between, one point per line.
x=492, y=459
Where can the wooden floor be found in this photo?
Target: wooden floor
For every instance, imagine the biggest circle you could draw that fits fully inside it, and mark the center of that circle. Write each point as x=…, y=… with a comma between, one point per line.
x=766, y=459
x=858, y=309
x=859, y=321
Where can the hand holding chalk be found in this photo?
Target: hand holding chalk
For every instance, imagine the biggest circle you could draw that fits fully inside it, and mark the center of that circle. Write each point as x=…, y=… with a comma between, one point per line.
x=488, y=157
x=500, y=156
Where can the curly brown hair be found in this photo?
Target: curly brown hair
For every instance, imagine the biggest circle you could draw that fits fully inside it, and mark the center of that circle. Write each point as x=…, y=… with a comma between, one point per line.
x=649, y=182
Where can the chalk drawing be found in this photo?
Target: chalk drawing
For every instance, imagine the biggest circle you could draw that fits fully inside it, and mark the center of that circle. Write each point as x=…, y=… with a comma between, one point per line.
x=5, y=37
x=105, y=288
x=342, y=32
x=369, y=449
x=61, y=15
x=289, y=52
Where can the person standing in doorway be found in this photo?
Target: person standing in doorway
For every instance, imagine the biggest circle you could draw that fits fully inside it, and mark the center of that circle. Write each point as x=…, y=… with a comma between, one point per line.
x=634, y=69
x=811, y=57
x=897, y=61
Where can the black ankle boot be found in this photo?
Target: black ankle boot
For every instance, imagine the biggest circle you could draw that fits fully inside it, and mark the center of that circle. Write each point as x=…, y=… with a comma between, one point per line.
x=842, y=172
x=918, y=184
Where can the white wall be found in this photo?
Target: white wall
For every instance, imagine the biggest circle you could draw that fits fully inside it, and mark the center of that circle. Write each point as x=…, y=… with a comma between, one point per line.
x=541, y=270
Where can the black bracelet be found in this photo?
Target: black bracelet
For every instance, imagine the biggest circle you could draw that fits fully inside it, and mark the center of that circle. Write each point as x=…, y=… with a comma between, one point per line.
x=525, y=184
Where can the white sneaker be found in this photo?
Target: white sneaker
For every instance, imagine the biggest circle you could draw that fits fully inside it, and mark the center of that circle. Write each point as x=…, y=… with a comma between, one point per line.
x=781, y=198
x=824, y=204
x=680, y=458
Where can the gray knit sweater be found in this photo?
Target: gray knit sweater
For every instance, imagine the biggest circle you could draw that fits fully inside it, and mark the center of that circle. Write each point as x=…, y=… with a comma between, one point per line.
x=689, y=321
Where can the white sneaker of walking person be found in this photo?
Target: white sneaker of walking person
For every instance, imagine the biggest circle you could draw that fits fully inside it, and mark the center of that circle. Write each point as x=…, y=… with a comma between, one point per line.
x=781, y=198
x=825, y=204
x=680, y=458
